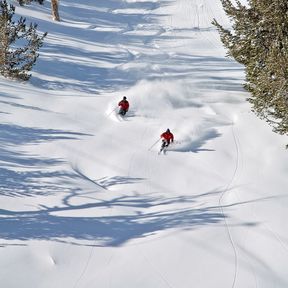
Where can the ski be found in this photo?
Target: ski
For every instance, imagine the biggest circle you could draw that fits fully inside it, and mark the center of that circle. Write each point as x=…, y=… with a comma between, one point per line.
x=162, y=151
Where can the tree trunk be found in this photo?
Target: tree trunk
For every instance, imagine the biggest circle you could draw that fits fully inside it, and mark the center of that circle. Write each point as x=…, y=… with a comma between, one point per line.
x=4, y=40
x=54, y=10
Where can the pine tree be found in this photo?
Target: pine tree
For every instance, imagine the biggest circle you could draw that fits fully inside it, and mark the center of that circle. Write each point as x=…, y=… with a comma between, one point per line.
x=19, y=44
x=259, y=41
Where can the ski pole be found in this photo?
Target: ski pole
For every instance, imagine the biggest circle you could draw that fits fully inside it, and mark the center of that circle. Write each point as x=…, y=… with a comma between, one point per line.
x=112, y=111
x=154, y=144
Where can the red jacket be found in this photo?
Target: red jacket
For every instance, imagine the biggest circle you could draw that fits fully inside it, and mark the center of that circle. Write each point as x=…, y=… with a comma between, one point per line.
x=167, y=136
x=124, y=104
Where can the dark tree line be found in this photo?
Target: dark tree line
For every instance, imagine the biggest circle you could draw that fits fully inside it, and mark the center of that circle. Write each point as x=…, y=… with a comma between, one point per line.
x=259, y=40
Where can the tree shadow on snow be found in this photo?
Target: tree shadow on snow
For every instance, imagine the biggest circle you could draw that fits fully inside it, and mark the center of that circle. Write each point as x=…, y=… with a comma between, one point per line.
x=25, y=174
x=100, y=23
x=93, y=46
x=140, y=223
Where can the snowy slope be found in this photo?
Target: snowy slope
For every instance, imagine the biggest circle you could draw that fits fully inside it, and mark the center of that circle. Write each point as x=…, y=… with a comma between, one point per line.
x=86, y=201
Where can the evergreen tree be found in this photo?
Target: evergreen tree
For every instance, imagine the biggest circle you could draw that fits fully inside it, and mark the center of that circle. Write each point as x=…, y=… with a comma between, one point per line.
x=259, y=41
x=18, y=44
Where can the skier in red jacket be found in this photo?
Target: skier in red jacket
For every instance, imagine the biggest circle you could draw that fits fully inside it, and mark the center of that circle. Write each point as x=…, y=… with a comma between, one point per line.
x=124, y=106
x=166, y=137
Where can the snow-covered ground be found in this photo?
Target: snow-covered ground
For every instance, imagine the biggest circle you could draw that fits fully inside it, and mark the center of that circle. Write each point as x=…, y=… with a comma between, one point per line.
x=86, y=201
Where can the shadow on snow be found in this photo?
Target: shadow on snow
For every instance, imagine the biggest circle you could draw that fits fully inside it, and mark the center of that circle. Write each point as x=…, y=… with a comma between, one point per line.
x=105, y=230
x=23, y=174
x=96, y=71
x=111, y=230
x=108, y=33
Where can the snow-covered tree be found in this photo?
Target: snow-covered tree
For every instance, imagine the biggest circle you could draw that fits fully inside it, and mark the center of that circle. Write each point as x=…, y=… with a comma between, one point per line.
x=19, y=44
x=259, y=40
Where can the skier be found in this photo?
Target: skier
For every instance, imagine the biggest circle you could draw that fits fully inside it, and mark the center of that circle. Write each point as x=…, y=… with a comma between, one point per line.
x=124, y=106
x=166, y=137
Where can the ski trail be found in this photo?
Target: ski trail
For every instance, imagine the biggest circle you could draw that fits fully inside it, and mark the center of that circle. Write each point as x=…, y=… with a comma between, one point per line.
x=162, y=277
x=85, y=266
x=148, y=165
x=276, y=236
x=251, y=264
x=222, y=208
x=266, y=227
x=93, y=245
x=76, y=169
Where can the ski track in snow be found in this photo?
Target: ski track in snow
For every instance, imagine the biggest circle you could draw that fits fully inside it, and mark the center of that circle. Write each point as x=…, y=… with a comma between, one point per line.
x=149, y=63
x=225, y=191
